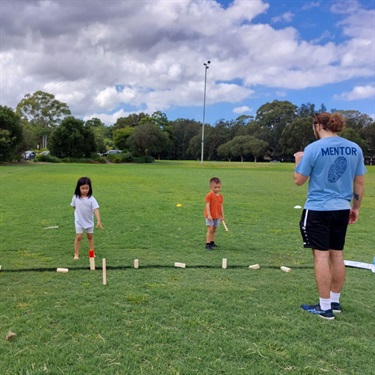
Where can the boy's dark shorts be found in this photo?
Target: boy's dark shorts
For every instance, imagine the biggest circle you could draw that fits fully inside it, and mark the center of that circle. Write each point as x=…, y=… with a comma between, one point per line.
x=324, y=230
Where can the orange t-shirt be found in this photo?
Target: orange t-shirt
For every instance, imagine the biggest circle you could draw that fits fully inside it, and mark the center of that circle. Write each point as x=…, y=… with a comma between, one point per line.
x=216, y=202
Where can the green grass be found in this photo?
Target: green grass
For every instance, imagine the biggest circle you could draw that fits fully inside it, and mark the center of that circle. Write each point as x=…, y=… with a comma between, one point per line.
x=159, y=319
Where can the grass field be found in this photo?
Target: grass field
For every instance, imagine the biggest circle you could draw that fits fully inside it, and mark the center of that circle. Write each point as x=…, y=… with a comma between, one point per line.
x=159, y=319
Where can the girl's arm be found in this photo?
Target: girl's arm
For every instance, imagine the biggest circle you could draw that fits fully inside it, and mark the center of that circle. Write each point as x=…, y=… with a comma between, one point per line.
x=97, y=215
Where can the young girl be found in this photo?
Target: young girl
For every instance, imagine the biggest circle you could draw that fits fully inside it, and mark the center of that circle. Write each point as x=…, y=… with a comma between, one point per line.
x=85, y=206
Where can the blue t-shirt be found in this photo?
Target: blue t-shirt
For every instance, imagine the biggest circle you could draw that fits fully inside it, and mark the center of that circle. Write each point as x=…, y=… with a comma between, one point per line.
x=331, y=164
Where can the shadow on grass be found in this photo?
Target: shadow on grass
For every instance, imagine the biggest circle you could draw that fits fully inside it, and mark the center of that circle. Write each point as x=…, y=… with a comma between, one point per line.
x=49, y=269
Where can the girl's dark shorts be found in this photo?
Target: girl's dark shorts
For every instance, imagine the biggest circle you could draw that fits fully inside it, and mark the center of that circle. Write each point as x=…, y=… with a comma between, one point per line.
x=324, y=230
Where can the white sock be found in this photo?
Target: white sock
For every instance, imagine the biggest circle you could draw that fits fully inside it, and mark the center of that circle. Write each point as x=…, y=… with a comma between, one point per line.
x=335, y=297
x=325, y=303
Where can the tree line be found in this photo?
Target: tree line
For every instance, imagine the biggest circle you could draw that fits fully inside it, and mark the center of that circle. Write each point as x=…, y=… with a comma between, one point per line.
x=276, y=132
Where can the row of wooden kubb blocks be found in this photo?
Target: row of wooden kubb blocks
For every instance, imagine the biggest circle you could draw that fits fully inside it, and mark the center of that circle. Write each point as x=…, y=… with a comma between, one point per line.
x=224, y=265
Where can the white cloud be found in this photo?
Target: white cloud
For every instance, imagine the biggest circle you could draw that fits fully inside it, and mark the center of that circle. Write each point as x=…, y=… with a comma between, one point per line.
x=281, y=94
x=243, y=109
x=310, y=5
x=358, y=92
x=79, y=51
x=285, y=17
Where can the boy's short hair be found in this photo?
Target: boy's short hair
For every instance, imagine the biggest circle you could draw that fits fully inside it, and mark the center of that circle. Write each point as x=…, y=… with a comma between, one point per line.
x=215, y=180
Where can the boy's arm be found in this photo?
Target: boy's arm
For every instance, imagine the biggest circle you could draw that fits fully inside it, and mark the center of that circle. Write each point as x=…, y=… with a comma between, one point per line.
x=208, y=210
x=222, y=212
x=97, y=215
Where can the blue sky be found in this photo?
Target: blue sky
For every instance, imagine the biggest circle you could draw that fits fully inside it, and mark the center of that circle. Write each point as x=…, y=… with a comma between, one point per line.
x=110, y=59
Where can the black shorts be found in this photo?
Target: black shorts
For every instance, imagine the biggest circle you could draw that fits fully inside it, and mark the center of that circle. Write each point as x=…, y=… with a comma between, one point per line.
x=324, y=230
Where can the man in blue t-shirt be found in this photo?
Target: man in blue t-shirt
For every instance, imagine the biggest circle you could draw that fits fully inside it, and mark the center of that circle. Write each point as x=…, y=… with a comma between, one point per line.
x=335, y=169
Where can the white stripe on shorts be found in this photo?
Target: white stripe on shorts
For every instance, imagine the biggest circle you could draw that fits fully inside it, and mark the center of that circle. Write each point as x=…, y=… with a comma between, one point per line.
x=305, y=219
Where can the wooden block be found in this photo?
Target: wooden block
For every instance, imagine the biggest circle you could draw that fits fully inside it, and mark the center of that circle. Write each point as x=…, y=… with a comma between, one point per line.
x=285, y=269
x=225, y=226
x=104, y=267
x=180, y=265
x=224, y=263
x=63, y=270
x=136, y=263
x=92, y=264
x=254, y=267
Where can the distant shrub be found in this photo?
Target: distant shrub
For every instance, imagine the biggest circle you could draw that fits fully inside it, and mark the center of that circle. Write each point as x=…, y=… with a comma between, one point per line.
x=144, y=159
x=47, y=159
x=127, y=157
x=79, y=160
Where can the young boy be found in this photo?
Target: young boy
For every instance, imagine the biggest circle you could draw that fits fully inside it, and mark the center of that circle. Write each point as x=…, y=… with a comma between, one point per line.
x=214, y=211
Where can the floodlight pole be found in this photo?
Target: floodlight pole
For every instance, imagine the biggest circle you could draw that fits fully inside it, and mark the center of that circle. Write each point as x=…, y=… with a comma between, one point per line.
x=204, y=105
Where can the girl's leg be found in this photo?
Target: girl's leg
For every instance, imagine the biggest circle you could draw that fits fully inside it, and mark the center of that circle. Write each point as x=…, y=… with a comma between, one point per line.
x=77, y=245
x=90, y=238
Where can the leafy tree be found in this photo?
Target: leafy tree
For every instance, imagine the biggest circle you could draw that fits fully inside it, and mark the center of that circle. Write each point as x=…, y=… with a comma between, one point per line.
x=132, y=120
x=160, y=119
x=214, y=137
x=323, y=108
x=147, y=139
x=182, y=131
x=225, y=150
x=257, y=147
x=195, y=145
x=356, y=120
x=275, y=117
x=120, y=137
x=297, y=136
x=72, y=139
x=354, y=136
x=10, y=134
x=306, y=110
x=238, y=146
x=43, y=111
x=99, y=129
x=369, y=133
x=31, y=137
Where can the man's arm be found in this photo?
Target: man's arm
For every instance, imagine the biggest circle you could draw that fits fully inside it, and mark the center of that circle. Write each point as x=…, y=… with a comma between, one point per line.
x=299, y=179
x=358, y=190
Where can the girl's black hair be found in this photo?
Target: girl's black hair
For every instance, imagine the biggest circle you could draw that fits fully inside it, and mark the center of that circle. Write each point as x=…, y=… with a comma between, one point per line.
x=83, y=181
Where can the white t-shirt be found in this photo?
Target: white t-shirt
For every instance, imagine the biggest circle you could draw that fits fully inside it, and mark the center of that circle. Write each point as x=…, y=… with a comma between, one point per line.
x=84, y=211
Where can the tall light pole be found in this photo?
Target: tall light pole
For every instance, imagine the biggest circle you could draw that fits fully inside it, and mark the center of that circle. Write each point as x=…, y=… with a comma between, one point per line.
x=204, y=105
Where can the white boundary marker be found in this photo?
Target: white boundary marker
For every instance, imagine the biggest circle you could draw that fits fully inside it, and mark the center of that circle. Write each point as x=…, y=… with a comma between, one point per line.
x=285, y=269
x=254, y=267
x=224, y=263
x=355, y=264
x=104, y=267
x=136, y=263
x=63, y=270
x=180, y=265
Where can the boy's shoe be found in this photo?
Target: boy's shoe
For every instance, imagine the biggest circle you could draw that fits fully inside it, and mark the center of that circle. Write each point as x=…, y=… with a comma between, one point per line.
x=336, y=307
x=208, y=246
x=316, y=310
x=213, y=244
